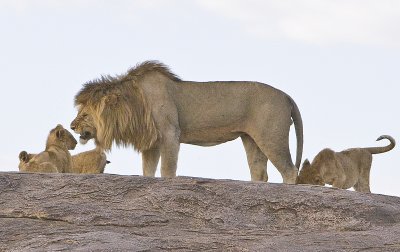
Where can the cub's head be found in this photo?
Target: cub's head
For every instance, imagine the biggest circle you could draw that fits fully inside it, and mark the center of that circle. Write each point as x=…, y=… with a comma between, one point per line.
x=61, y=136
x=83, y=124
x=309, y=175
x=24, y=156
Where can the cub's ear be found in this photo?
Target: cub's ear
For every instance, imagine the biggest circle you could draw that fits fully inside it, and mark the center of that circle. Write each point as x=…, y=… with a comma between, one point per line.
x=23, y=156
x=306, y=162
x=60, y=133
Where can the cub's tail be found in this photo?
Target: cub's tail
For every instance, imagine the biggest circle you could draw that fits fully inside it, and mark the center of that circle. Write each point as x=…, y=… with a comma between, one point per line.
x=377, y=150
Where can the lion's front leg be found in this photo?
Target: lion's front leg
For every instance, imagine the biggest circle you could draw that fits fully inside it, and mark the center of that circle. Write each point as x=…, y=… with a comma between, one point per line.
x=150, y=160
x=339, y=181
x=169, y=155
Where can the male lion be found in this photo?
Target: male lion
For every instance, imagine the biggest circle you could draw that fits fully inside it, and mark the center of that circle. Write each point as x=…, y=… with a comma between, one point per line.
x=93, y=161
x=345, y=169
x=55, y=158
x=154, y=111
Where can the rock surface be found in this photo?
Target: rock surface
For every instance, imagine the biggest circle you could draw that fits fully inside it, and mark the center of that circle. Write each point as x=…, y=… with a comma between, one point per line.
x=65, y=212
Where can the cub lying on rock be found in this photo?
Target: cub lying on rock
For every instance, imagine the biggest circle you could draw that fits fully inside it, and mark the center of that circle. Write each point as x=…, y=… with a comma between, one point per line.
x=93, y=161
x=55, y=157
x=345, y=169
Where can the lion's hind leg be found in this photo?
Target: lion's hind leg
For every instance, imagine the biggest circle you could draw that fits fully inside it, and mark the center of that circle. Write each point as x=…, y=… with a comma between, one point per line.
x=275, y=146
x=256, y=159
x=361, y=187
x=362, y=184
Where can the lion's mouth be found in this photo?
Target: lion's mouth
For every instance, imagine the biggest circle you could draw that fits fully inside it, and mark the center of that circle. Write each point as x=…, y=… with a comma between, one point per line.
x=73, y=147
x=85, y=137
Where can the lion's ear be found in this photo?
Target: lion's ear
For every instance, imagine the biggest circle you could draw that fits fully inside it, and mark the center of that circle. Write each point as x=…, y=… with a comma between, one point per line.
x=112, y=99
x=60, y=133
x=306, y=162
x=23, y=156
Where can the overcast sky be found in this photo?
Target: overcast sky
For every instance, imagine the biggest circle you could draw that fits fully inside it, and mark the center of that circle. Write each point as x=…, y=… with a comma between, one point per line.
x=338, y=59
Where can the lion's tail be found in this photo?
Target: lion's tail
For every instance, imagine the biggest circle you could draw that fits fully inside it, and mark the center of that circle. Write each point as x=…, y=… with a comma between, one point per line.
x=377, y=150
x=298, y=125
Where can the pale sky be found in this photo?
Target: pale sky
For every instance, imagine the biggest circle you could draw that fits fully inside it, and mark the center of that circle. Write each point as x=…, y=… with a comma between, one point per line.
x=338, y=59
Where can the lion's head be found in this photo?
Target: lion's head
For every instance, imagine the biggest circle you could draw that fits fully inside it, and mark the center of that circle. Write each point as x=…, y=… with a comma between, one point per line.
x=84, y=125
x=61, y=137
x=24, y=156
x=115, y=110
x=309, y=175
x=118, y=118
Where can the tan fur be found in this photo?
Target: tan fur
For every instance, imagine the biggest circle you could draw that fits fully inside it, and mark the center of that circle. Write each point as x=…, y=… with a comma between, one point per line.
x=24, y=158
x=90, y=162
x=154, y=111
x=55, y=158
x=345, y=169
x=93, y=161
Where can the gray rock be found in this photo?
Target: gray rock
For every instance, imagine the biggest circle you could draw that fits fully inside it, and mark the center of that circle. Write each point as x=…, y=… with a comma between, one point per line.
x=66, y=212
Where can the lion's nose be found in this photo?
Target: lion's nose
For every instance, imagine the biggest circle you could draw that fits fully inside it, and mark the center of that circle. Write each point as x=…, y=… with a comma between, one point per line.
x=73, y=126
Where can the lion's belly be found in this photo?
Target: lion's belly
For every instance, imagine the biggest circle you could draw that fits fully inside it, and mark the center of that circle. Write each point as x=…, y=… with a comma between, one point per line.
x=208, y=137
x=216, y=112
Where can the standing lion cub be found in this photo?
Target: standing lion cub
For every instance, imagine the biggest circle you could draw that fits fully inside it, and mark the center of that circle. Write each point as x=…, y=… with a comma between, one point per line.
x=56, y=157
x=345, y=169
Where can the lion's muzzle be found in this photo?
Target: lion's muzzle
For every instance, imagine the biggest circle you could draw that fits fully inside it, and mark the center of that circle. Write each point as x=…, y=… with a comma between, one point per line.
x=85, y=136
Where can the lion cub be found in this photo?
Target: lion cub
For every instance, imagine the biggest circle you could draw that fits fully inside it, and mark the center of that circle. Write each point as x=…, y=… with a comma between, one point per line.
x=55, y=158
x=345, y=169
x=93, y=161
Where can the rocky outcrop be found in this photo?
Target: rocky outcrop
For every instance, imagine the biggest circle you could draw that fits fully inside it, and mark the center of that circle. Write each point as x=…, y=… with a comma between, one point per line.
x=65, y=212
